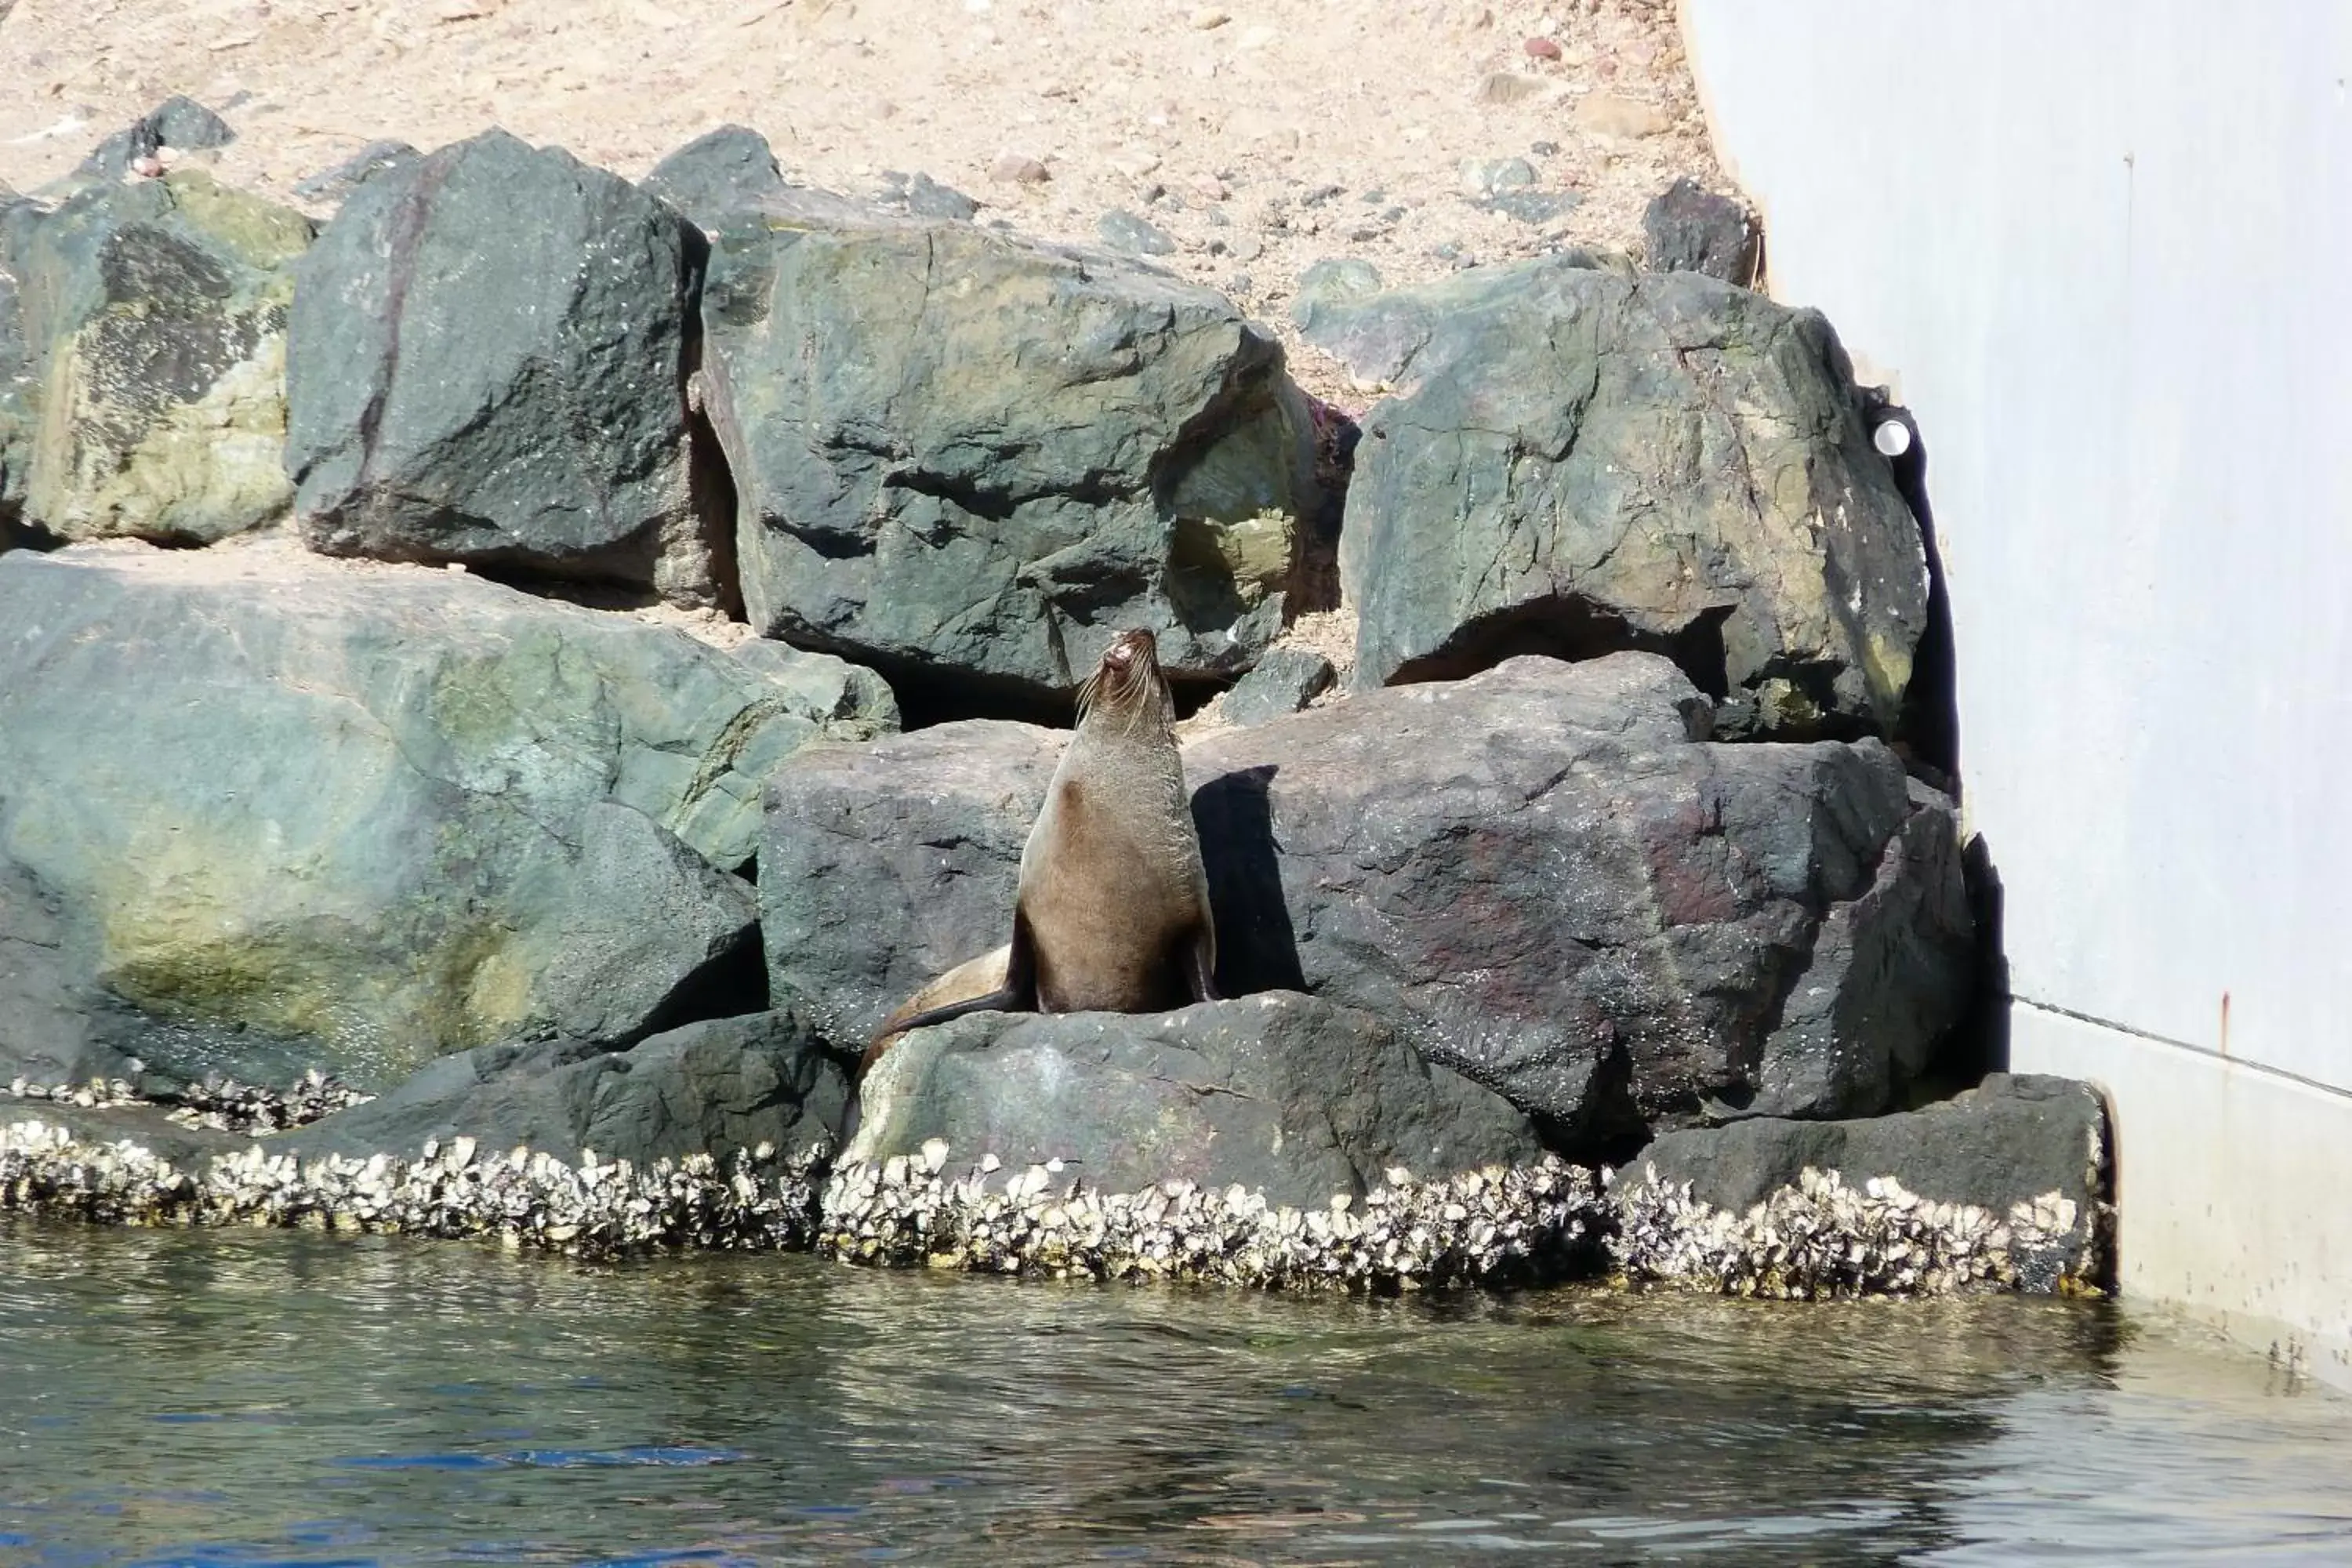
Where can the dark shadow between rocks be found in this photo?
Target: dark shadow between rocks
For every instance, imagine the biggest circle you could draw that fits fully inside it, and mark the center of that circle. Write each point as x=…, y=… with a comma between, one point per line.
x=1258, y=949
x=1315, y=561
x=613, y=591
x=711, y=481
x=1611, y=1130
x=1572, y=629
x=1978, y=1045
x=730, y=986
x=930, y=695
x=17, y=534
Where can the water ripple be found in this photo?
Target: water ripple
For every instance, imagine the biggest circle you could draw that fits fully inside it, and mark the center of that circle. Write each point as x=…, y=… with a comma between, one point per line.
x=301, y=1400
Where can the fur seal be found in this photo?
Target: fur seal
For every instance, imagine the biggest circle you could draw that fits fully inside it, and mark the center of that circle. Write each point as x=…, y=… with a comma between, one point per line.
x=1113, y=911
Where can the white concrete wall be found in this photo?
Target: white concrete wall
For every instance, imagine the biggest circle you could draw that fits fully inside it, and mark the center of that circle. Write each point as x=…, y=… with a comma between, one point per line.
x=2104, y=252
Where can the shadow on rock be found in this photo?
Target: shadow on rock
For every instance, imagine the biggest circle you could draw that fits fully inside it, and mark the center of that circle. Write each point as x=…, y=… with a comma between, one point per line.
x=1256, y=948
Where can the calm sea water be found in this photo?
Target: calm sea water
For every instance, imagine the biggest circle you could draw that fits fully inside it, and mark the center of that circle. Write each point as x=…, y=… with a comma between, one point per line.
x=228, y=1399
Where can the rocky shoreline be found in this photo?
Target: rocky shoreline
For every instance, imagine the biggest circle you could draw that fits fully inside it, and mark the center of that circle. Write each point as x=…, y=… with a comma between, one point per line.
x=1816, y=1238
x=543, y=662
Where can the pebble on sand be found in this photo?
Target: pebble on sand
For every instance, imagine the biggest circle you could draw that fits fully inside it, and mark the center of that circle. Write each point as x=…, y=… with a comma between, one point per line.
x=1018, y=169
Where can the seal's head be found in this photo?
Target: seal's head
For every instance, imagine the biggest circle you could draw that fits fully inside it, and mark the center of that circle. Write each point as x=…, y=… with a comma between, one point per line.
x=1127, y=688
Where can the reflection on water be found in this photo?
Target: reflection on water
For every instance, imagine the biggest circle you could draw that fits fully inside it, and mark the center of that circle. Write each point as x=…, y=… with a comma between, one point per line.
x=272, y=1398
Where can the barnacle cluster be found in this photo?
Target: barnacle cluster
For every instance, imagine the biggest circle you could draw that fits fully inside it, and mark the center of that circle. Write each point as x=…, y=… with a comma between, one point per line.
x=218, y=1104
x=1821, y=1237
x=1818, y=1237
x=520, y=1197
x=225, y=1105
x=1490, y=1225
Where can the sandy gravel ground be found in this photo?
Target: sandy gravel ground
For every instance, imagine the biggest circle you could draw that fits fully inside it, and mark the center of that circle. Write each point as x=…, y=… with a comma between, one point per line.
x=1259, y=136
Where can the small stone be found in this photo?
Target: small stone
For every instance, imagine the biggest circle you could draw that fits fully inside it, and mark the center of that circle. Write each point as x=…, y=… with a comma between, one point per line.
x=1124, y=231
x=1134, y=162
x=1208, y=18
x=1339, y=281
x=926, y=197
x=1286, y=681
x=1620, y=118
x=1533, y=206
x=1015, y=169
x=1507, y=87
x=1208, y=188
x=1484, y=176
x=1542, y=48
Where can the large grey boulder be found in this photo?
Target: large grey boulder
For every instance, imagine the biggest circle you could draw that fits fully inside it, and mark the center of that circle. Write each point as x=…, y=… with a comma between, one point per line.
x=1546, y=876
x=1280, y=1093
x=301, y=813
x=143, y=394
x=1543, y=876
x=490, y=352
x=2029, y=1148
x=708, y=1088
x=1578, y=460
x=967, y=459
x=883, y=866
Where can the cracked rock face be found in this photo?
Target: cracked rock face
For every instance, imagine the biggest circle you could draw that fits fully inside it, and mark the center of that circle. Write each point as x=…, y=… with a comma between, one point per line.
x=1541, y=877
x=277, y=812
x=489, y=362
x=1578, y=460
x=973, y=460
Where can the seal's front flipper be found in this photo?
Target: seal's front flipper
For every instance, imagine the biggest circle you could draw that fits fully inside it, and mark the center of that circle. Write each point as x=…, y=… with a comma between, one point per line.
x=1018, y=994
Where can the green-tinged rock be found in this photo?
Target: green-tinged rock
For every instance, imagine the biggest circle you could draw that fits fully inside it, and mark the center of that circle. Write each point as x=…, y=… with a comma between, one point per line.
x=296, y=813
x=1280, y=1093
x=972, y=459
x=489, y=362
x=153, y=332
x=1578, y=461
